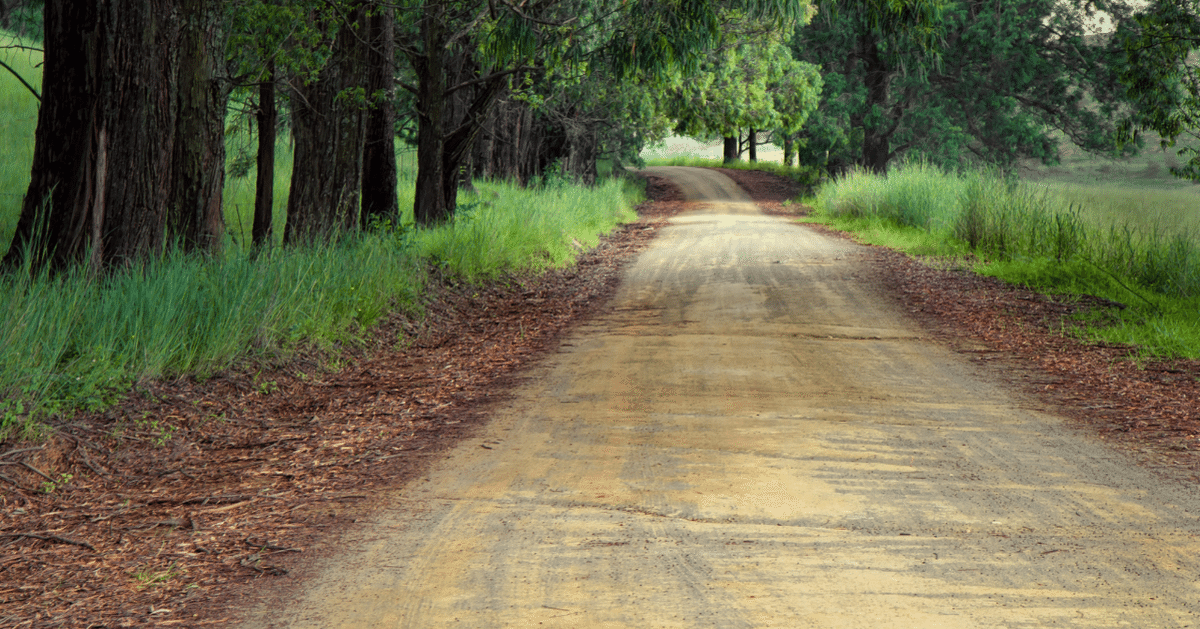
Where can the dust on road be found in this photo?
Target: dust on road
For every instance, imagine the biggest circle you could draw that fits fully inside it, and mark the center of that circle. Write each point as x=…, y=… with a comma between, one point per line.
x=752, y=437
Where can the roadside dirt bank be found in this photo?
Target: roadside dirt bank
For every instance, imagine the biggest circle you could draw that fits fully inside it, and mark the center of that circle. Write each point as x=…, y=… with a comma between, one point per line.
x=253, y=478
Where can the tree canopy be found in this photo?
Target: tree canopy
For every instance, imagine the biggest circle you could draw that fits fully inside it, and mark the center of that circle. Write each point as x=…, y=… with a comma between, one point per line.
x=971, y=80
x=1163, y=75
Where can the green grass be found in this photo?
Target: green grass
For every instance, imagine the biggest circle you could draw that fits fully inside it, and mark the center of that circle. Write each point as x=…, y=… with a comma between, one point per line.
x=74, y=341
x=1028, y=235
x=18, y=120
x=504, y=228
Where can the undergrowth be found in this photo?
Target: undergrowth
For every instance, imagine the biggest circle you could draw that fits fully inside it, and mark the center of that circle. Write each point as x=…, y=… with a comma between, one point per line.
x=1028, y=236
x=73, y=341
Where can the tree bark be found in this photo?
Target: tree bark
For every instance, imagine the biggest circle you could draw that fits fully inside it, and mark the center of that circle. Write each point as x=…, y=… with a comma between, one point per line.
x=264, y=182
x=429, y=203
x=379, y=152
x=731, y=149
x=876, y=141
x=453, y=102
x=101, y=179
x=752, y=144
x=789, y=150
x=329, y=131
x=196, y=220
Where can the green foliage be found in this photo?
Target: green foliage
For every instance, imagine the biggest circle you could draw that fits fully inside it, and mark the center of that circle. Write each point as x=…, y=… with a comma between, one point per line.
x=928, y=81
x=504, y=228
x=1028, y=236
x=1160, y=45
x=755, y=85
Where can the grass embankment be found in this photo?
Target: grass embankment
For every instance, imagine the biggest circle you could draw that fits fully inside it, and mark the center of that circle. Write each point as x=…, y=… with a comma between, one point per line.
x=1028, y=235
x=73, y=341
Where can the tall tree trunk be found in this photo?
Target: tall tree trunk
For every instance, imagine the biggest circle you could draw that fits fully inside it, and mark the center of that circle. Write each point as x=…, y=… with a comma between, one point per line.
x=876, y=144
x=264, y=183
x=429, y=203
x=329, y=132
x=731, y=152
x=196, y=219
x=101, y=178
x=752, y=144
x=379, y=152
x=789, y=149
x=448, y=118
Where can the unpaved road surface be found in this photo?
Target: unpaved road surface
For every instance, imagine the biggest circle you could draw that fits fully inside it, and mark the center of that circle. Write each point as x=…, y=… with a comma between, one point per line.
x=752, y=437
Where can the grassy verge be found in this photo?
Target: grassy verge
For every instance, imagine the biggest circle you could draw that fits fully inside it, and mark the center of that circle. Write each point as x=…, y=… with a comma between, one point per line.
x=77, y=342
x=1030, y=236
x=74, y=342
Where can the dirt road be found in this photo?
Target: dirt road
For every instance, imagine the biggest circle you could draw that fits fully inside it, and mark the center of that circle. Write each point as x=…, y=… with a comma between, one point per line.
x=752, y=437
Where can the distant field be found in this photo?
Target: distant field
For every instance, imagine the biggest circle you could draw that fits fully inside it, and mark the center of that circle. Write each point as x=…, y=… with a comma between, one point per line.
x=676, y=146
x=1139, y=190
x=18, y=121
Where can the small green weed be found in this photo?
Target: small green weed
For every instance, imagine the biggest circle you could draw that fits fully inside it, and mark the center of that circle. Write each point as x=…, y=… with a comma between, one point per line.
x=147, y=576
x=49, y=487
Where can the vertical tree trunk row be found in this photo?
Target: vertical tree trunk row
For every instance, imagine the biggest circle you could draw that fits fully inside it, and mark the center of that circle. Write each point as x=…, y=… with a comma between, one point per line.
x=329, y=129
x=196, y=219
x=130, y=147
x=264, y=184
x=101, y=178
x=379, y=151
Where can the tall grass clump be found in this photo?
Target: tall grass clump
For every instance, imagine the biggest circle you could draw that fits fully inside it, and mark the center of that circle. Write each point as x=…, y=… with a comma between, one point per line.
x=75, y=341
x=504, y=227
x=1030, y=236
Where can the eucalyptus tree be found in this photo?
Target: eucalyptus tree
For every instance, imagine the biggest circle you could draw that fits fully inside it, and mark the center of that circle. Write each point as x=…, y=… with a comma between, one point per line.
x=1163, y=75
x=128, y=149
x=463, y=53
x=752, y=83
x=974, y=79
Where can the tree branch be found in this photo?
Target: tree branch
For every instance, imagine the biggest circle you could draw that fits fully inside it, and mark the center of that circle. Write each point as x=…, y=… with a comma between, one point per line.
x=22, y=80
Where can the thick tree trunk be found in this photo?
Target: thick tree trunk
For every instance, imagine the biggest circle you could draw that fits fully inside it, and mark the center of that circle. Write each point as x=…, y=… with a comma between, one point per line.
x=329, y=133
x=581, y=153
x=452, y=106
x=196, y=219
x=101, y=180
x=752, y=144
x=379, y=153
x=264, y=184
x=731, y=149
x=429, y=204
x=876, y=141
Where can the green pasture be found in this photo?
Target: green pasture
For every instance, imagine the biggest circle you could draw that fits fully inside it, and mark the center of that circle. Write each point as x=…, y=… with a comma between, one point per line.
x=1041, y=237
x=18, y=120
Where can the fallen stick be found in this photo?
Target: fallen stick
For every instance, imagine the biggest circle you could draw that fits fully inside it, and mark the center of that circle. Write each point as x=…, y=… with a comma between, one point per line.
x=51, y=538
